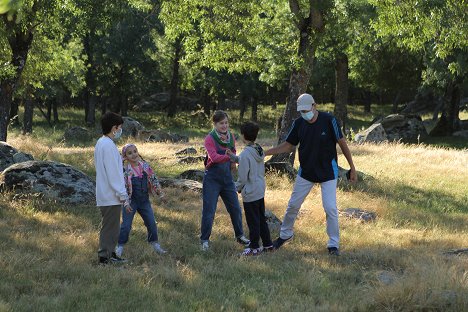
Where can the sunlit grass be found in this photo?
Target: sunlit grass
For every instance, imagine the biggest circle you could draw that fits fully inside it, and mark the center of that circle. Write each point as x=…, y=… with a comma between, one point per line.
x=419, y=193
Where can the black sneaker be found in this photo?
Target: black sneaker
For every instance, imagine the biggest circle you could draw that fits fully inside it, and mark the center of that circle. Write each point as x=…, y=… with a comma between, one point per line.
x=116, y=259
x=279, y=241
x=268, y=248
x=243, y=240
x=103, y=260
x=333, y=251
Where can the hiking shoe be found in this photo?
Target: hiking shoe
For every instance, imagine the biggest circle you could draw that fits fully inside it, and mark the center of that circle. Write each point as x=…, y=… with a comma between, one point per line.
x=333, y=251
x=116, y=259
x=205, y=246
x=119, y=250
x=268, y=248
x=158, y=249
x=280, y=241
x=243, y=240
x=251, y=252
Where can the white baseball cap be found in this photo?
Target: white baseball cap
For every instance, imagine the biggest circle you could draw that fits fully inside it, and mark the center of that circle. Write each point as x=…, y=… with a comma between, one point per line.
x=305, y=102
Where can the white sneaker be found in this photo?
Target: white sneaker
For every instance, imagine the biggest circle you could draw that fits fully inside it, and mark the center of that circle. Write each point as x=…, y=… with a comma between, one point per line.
x=205, y=246
x=243, y=240
x=158, y=249
x=251, y=252
x=119, y=250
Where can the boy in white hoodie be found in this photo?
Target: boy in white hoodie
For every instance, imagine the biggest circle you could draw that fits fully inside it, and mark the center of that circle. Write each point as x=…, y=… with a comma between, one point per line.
x=251, y=184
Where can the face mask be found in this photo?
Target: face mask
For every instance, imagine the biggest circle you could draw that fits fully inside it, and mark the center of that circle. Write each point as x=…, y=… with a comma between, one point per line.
x=308, y=116
x=118, y=134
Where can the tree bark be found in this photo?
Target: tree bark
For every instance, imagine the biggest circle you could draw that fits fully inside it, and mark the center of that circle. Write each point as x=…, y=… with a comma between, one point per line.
x=367, y=101
x=28, y=115
x=175, y=78
x=20, y=39
x=206, y=101
x=13, y=119
x=341, y=89
x=395, y=102
x=55, y=104
x=310, y=30
x=90, y=89
x=253, y=116
x=449, y=122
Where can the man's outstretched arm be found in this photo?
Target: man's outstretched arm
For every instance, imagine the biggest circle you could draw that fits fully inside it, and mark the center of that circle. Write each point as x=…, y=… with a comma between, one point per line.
x=282, y=148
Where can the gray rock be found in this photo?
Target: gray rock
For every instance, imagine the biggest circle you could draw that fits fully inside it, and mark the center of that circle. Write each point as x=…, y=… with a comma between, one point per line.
x=462, y=133
x=187, y=151
x=191, y=159
x=386, y=277
x=6, y=155
x=182, y=184
x=51, y=180
x=457, y=252
x=22, y=157
x=131, y=127
x=160, y=136
x=395, y=127
x=375, y=134
x=196, y=175
x=274, y=224
x=76, y=133
x=356, y=213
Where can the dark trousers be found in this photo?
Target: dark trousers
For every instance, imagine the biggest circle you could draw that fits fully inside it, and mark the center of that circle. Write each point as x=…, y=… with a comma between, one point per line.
x=258, y=227
x=109, y=232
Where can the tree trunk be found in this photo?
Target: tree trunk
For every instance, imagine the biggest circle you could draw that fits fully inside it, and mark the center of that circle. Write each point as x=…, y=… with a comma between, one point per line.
x=175, y=78
x=341, y=89
x=90, y=90
x=55, y=104
x=367, y=101
x=449, y=121
x=28, y=115
x=395, y=102
x=20, y=39
x=49, y=111
x=206, y=101
x=310, y=29
x=254, y=108
x=14, y=120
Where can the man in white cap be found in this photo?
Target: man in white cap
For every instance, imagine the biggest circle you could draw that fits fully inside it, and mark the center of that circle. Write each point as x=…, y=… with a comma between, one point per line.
x=317, y=134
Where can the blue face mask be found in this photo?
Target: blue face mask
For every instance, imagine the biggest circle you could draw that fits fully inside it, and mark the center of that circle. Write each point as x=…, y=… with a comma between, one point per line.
x=308, y=116
x=118, y=134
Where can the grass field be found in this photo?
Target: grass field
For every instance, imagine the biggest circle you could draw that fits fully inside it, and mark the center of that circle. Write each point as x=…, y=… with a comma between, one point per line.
x=397, y=263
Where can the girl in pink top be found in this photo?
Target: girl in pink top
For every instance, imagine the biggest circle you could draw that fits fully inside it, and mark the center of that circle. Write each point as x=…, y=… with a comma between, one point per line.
x=218, y=180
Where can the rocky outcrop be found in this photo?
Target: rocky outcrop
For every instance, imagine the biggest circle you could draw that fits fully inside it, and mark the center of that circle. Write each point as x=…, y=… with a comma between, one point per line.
x=50, y=180
x=10, y=155
x=160, y=136
x=182, y=184
x=359, y=214
x=131, y=127
x=76, y=133
x=281, y=167
x=395, y=127
x=196, y=175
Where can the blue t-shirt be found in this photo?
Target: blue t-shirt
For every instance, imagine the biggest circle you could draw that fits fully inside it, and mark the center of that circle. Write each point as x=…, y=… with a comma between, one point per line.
x=317, y=147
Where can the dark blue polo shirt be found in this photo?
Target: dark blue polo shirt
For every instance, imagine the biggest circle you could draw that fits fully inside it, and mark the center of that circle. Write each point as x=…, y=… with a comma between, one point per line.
x=317, y=147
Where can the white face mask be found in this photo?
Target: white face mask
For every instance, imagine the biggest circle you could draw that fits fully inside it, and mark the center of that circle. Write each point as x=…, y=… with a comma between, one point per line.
x=308, y=116
x=118, y=134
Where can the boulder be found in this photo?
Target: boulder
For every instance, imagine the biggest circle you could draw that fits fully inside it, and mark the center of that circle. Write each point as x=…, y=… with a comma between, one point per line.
x=160, y=136
x=187, y=151
x=76, y=133
x=51, y=180
x=131, y=127
x=375, y=134
x=462, y=133
x=274, y=224
x=196, y=175
x=182, y=184
x=191, y=159
x=356, y=213
x=10, y=155
x=281, y=167
x=395, y=127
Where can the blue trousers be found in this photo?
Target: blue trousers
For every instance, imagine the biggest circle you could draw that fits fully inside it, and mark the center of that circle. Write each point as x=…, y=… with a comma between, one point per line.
x=140, y=203
x=217, y=182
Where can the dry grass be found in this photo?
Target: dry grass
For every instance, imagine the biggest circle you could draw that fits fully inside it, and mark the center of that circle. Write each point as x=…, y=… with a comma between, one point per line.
x=420, y=194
